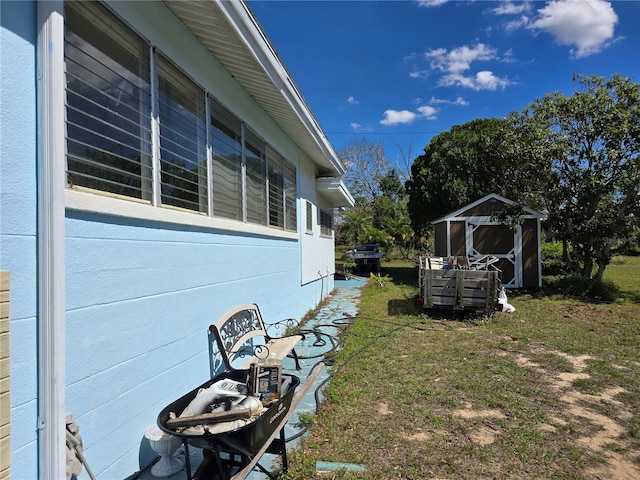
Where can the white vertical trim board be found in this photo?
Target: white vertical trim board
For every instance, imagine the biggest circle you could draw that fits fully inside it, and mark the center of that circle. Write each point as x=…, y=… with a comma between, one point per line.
x=51, y=240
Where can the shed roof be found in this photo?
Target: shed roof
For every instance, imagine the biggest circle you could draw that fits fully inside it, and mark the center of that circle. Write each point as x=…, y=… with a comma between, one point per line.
x=529, y=212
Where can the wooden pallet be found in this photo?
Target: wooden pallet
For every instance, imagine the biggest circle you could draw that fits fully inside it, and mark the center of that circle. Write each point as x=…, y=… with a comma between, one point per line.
x=460, y=289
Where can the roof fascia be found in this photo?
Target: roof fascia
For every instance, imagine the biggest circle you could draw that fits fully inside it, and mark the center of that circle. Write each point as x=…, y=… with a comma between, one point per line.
x=242, y=20
x=455, y=215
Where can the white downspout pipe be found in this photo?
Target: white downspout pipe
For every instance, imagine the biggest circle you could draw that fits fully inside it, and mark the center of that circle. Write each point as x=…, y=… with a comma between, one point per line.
x=51, y=179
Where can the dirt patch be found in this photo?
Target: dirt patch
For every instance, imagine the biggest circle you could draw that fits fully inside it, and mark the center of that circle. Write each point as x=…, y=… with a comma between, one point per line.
x=469, y=413
x=383, y=408
x=419, y=436
x=581, y=409
x=483, y=435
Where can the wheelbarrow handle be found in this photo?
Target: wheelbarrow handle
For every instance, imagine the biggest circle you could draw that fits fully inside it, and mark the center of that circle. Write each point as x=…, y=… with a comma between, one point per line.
x=213, y=417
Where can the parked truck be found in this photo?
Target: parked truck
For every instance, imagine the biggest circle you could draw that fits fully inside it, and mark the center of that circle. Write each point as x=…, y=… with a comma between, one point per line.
x=366, y=257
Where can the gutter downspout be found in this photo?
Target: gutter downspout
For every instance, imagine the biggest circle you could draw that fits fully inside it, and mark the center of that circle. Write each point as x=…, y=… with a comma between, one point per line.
x=50, y=177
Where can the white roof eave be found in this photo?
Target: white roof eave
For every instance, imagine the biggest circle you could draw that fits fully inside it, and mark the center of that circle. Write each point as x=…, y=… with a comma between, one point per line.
x=334, y=189
x=231, y=33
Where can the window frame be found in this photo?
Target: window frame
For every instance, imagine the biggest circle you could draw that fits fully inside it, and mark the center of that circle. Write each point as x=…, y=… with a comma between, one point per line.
x=206, y=170
x=326, y=223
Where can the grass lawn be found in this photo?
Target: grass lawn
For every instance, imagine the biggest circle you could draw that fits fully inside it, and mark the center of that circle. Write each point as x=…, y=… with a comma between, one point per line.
x=550, y=391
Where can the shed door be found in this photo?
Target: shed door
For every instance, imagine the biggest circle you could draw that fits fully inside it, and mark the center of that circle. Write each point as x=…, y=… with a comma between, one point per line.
x=501, y=242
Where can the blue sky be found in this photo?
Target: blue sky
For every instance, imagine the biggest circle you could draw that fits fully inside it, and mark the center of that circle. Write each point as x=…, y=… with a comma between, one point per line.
x=401, y=72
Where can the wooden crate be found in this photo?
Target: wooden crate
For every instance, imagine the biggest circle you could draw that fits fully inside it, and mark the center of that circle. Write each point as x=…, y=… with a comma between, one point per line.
x=460, y=289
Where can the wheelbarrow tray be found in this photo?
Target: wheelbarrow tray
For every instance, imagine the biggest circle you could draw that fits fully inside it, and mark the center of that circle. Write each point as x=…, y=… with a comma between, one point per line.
x=246, y=440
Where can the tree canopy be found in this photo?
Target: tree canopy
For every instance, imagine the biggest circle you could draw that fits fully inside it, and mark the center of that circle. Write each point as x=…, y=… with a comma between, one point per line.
x=576, y=158
x=467, y=163
x=593, y=199
x=380, y=215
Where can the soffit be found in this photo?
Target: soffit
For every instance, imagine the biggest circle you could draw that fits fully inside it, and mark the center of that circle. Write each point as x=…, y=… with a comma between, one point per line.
x=231, y=33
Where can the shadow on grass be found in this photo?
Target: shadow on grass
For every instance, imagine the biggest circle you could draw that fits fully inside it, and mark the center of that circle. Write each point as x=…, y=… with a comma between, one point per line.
x=402, y=275
x=578, y=288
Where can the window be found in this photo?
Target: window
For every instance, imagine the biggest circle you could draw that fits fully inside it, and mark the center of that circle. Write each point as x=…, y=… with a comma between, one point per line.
x=140, y=128
x=326, y=223
x=276, y=189
x=183, y=158
x=108, y=103
x=282, y=192
x=256, y=181
x=309, y=216
x=226, y=146
x=290, y=197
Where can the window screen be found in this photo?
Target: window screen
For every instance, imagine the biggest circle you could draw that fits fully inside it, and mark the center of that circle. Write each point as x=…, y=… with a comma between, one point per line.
x=256, y=178
x=290, y=197
x=108, y=103
x=183, y=157
x=226, y=145
x=276, y=188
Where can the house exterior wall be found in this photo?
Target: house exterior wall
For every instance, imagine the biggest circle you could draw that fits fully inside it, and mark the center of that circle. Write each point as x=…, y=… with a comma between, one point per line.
x=140, y=292
x=317, y=249
x=18, y=223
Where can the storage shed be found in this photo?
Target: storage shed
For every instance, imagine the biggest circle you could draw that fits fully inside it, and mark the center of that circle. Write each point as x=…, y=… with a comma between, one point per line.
x=473, y=231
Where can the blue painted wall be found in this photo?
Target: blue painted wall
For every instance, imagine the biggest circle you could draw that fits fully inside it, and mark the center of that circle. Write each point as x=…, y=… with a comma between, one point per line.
x=139, y=294
x=140, y=297
x=18, y=221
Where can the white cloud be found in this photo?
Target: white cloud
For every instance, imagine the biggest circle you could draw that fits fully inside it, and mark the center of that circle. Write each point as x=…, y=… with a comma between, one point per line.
x=459, y=59
x=507, y=7
x=521, y=22
x=420, y=74
x=483, y=80
x=428, y=112
x=587, y=25
x=352, y=101
x=457, y=101
x=431, y=3
x=396, y=117
x=355, y=125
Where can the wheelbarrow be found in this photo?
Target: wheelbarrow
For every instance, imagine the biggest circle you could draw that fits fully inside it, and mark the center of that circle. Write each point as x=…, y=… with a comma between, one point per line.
x=227, y=453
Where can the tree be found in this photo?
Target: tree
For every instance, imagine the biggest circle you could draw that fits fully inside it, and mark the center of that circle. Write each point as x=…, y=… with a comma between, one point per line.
x=380, y=215
x=356, y=225
x=391, y=214
x=576, y=158
x=403, y=164
x=366, y=164
x=592, y=200
x=468, y=162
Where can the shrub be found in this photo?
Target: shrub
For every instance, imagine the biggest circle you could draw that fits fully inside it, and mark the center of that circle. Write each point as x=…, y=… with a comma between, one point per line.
x=552, y=263
x=577, y=286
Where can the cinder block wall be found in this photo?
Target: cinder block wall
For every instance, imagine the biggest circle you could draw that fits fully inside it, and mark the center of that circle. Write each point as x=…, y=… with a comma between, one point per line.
x=5, y=404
